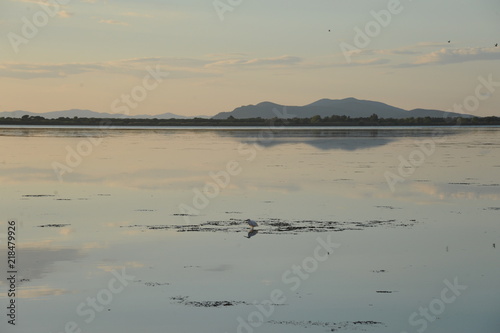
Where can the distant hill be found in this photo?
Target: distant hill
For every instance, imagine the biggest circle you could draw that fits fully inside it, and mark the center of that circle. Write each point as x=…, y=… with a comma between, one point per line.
x=351, y=107
x=91, y=114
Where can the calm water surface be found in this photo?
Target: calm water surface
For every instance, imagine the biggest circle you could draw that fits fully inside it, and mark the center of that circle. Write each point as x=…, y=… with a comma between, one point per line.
x=415, y=211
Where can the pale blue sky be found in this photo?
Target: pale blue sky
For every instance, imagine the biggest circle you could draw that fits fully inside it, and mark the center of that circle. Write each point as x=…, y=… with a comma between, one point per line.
x=94, y=51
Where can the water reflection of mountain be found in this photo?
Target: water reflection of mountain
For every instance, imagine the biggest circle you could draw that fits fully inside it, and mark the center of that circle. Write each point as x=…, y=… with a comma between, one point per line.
x=336, y=139
x=327, y=144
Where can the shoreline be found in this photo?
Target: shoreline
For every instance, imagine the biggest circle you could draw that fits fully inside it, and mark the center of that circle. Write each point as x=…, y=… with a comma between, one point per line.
x=239, y=127
x=315, y=121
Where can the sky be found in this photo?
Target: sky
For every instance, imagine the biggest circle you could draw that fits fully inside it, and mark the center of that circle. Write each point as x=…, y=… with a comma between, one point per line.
x=201, y=57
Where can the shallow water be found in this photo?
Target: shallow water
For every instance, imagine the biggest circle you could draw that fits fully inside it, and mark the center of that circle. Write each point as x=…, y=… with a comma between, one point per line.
x=166, y=207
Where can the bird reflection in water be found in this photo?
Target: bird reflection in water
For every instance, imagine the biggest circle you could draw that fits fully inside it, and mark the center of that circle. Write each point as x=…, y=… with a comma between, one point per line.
x=252, y=233
x=252, y=225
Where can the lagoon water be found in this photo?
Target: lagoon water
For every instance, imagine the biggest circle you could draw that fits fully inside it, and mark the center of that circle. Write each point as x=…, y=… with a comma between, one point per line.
x=142, y=229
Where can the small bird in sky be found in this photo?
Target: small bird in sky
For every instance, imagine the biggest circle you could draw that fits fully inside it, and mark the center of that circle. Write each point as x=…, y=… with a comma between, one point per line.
x=449, y=41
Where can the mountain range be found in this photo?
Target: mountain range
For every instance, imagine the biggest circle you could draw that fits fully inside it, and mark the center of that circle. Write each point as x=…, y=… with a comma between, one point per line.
x=91, y=114
x=352, y=107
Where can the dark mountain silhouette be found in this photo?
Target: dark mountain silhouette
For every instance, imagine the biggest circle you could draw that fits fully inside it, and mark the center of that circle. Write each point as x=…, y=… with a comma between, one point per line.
x=351, y=107
x=91, y=114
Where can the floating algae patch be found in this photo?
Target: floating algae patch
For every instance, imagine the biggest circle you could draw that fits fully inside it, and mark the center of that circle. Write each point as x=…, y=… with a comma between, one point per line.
x=388, y=207
x=278, y=226
x=156, y=284
x=52, y=225
x=153, y=284
x=330, y=326
x=205, y=304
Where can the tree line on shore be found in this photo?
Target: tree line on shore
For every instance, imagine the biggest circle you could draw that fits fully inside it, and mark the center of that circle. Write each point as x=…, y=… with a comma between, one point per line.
x=373, y=120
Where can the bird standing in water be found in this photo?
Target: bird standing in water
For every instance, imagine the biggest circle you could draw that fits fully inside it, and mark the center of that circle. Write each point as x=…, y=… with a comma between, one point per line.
x=251, y=223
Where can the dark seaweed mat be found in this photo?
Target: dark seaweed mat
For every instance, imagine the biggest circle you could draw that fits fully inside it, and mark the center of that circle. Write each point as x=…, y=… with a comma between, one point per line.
x=332, y=326
x=155, y=284
x=205, y=304
x=277, y=226
x=52, y=225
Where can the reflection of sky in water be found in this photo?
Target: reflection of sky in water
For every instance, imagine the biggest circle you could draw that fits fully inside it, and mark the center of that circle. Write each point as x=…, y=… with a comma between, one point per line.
x=140, y=177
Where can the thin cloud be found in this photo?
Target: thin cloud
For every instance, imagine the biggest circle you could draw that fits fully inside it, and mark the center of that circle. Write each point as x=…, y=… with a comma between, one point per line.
x=64, y=14
x=431, y=44
x=135, y=14
x=282, y=61
x=369, y=62
x=279, y=61
x=226, y=55
x=177, y=68
x=386, y=52
x=35, y=71
x=38, y=2
x=113, y=22
x=325, y=63
x=408, y=50
x=400, y=52
x=442, y=56
x=453, y=56
x=168, y=15
x=179, y=62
